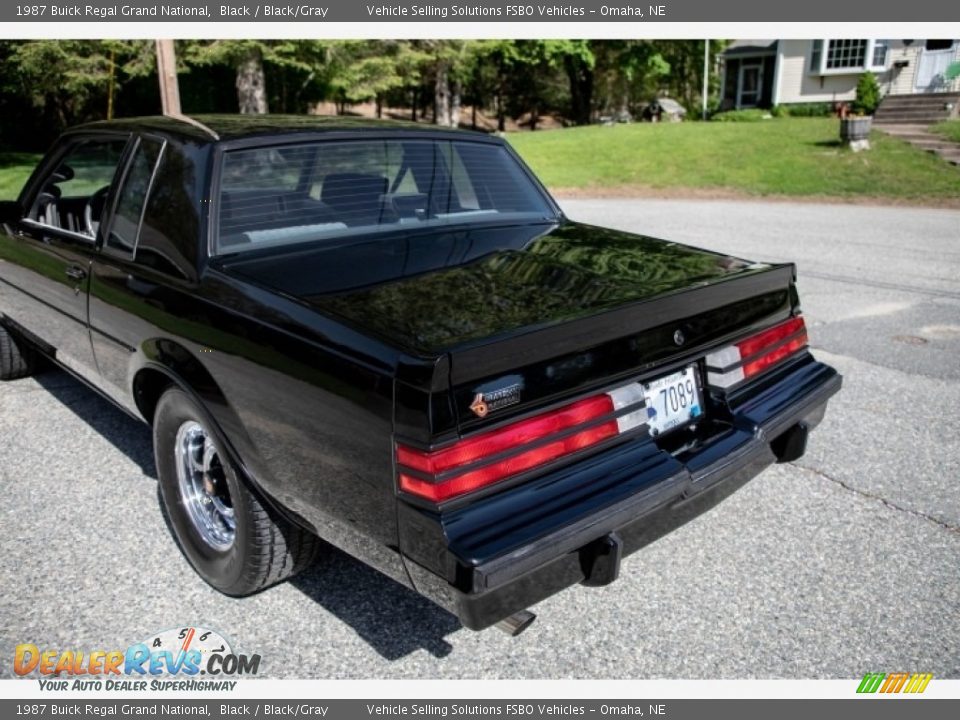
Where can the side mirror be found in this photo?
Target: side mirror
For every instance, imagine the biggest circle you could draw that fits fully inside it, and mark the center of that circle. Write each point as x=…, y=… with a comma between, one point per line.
x=10, y=211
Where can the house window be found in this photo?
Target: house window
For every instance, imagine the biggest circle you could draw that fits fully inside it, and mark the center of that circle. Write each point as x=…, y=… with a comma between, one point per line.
x=880, y=48
x=846, y=54
x=816, y=56
x=832, y=57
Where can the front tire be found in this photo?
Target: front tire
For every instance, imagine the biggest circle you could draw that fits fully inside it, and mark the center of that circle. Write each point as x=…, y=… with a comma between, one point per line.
x=16, y=358
x=234, y=541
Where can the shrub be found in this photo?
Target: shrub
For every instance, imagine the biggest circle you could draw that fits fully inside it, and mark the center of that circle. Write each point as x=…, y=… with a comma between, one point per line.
x=808, y=109
x=748, y=115
x=868, y=95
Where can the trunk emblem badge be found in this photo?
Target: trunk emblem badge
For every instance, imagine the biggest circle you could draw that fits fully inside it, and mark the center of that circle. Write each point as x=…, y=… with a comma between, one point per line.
x=490, y=401
x=678, y=337
x=479, y=406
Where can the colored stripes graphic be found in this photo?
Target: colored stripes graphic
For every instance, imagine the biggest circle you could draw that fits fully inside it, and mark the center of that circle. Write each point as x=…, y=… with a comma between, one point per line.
x=894, y=682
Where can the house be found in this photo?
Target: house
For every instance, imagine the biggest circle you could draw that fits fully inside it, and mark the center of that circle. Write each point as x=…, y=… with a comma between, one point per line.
x=764, y=73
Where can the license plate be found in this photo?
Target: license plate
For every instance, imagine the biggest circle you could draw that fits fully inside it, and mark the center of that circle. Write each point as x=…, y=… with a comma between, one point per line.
x=672, y=400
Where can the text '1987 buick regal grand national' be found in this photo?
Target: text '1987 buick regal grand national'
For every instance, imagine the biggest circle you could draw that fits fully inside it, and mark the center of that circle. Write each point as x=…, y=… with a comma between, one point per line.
x=390, y=337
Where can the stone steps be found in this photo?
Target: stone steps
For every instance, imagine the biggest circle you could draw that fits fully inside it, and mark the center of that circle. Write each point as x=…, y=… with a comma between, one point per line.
x=920, y=137
x=917, y=109
x=928, y=119
x=917, y=117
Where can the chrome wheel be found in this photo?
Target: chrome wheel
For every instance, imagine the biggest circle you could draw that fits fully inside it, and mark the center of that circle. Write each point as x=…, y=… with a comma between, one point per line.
x=203, y=486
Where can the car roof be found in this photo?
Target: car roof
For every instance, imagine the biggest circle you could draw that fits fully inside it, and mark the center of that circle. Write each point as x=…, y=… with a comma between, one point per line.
x=219, y=128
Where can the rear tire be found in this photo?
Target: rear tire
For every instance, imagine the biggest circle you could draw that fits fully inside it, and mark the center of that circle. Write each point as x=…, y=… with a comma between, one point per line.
x=235, y=542
x=16, y=357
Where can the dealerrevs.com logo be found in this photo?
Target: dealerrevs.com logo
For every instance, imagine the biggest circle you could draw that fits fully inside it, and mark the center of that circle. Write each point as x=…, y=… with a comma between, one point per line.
x=186, y=658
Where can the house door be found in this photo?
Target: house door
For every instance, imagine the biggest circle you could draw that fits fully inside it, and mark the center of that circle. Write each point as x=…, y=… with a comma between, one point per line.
x=750, y=83
x=931, y=68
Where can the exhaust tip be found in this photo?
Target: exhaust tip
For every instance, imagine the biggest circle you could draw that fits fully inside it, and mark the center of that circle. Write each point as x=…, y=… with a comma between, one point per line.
x=516, y=623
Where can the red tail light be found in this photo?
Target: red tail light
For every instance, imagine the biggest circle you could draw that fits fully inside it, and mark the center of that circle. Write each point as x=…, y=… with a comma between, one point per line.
x=750, y=357
x=493, y=456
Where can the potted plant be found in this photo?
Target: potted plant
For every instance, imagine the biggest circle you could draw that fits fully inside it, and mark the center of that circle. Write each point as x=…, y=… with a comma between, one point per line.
x=855, y=126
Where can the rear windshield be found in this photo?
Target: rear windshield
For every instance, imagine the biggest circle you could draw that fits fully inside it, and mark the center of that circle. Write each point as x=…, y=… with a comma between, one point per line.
x=300, y=193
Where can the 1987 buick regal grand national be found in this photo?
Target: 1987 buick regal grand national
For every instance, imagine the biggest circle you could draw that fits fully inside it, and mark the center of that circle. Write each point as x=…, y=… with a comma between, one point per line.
x=390, y=337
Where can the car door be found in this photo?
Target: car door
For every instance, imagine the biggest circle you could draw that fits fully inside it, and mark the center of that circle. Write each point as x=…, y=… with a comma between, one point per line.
x=128, y=286
x=49, y=251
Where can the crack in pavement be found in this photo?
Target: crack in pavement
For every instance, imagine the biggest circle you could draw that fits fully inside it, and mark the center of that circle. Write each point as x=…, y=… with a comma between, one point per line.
x=873, y=496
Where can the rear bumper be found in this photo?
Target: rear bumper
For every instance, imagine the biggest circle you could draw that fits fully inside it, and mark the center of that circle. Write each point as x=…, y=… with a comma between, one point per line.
x=616, y=502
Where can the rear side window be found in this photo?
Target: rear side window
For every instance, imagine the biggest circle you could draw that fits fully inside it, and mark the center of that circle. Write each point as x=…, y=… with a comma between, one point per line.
x=171, y=228
x=301, y=193
x=132, y=197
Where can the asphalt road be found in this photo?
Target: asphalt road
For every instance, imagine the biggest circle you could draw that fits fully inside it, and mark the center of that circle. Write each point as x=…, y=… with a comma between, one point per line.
x=844, y=562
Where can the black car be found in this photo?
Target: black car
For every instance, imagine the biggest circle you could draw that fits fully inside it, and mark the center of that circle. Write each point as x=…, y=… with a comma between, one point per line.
x=390, y=337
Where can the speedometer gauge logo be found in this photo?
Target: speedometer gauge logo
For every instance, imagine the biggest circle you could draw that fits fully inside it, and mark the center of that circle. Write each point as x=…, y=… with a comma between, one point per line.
x=185, y=639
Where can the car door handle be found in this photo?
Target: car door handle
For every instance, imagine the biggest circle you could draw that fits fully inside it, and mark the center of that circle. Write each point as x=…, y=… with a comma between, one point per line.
x=76, y=273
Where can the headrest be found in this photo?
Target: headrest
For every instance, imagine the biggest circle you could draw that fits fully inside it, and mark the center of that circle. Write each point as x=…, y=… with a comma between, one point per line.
x=62, y=174
x=352, y=190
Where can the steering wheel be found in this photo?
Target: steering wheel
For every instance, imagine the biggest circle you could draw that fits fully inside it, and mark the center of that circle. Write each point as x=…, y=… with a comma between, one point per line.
x=93, y=210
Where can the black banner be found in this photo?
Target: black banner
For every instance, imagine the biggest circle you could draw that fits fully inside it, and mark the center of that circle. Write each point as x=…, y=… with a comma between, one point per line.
x=322, y=11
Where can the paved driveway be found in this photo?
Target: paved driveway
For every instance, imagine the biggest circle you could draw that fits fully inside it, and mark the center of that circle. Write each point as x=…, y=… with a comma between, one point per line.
x=846, y=561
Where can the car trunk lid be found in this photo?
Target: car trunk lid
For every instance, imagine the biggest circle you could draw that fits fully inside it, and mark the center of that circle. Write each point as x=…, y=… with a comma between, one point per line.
x=526, y=316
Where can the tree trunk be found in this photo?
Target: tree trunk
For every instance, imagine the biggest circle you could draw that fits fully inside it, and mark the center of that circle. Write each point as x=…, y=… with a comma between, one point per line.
x=501, y=113
x=456, y=94
x=251, y=84
x=580, y=76
x=413, y=104
x=441, y=96
x=111, y=85
x=624, y=96
x=379, y=101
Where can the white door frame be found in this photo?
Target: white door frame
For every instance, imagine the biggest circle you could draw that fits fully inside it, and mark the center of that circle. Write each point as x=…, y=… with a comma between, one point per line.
x=750, y=64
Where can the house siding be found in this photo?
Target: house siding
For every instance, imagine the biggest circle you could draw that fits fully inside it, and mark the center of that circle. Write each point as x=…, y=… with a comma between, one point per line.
x=787, y=79
x=900, y=80
x=797, y=85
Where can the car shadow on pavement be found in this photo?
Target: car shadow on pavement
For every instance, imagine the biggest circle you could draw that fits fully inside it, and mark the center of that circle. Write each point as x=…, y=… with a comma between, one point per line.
x=391, y=618
x=394, y=620
x=128, y=435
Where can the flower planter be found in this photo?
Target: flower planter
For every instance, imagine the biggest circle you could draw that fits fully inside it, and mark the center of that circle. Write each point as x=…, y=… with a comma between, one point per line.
x=853, y=129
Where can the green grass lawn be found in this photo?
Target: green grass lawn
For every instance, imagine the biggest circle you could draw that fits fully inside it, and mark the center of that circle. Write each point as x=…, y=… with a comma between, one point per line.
x=779, y=157
x=783, y=156
x=949, y=129
x=15, y=168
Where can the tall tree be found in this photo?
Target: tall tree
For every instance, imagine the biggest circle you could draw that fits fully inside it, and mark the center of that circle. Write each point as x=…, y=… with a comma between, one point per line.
x=447, y=67
x=577, y=59
x=249, y=58
x=630, y=73
x=493, y=64
x=538, y=62
x=360, y=70
x=66, y=77
x=685, y=57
